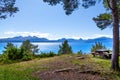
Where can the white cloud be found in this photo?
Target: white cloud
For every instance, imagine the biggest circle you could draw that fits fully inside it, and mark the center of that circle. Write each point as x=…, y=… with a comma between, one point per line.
x=38, y=34
x=102, y=35
x=72, y=36
x=96, y=36
x=51, y=36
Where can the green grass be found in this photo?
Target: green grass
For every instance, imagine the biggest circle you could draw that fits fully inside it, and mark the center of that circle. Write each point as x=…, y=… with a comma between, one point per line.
x=16, y=71
x=21, y=70
x=99, y=65
x=25, y=70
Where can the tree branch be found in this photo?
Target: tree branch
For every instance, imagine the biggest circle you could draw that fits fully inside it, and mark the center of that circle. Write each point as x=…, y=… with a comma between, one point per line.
x=108, y=2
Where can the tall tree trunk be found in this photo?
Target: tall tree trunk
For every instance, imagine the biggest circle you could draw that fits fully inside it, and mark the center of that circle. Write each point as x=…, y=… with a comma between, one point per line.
x=115, y=55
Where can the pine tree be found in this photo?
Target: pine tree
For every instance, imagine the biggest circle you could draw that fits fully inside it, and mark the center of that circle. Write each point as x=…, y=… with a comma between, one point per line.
x=65, y=48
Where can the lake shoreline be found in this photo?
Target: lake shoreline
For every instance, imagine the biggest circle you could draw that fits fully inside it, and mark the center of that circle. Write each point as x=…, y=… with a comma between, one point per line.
x=85, y=47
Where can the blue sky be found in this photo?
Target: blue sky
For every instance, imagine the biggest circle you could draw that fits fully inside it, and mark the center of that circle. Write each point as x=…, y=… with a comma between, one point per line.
x=37, y=18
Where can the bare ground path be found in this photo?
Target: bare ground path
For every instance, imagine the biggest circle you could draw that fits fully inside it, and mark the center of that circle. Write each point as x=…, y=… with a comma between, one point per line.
x=74, y=67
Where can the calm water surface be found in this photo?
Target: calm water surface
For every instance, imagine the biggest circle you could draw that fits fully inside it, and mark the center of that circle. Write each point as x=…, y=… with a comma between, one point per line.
x=54, y=46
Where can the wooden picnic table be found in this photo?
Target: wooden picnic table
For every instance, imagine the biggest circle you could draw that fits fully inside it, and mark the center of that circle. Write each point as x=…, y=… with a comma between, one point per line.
x=102, y=53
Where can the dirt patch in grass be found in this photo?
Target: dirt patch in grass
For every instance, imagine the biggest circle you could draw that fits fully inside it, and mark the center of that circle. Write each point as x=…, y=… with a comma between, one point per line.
x=73, y=67
x=69, y=75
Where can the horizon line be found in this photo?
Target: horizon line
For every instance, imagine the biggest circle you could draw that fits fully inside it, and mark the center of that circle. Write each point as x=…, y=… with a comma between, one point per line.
x=56, y=38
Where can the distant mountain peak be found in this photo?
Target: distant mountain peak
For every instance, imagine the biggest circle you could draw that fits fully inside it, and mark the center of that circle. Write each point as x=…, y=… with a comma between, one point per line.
x=37, y=39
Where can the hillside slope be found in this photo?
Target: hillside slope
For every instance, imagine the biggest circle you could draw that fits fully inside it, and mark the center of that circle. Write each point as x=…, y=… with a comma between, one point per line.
x=64, y=67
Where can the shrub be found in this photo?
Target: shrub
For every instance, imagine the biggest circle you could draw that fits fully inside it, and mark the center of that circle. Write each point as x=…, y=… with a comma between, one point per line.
x=27, y=57
x=12, y=53
x=97, y=46
x=80, y=52
x=25, y=52
x=49, y=54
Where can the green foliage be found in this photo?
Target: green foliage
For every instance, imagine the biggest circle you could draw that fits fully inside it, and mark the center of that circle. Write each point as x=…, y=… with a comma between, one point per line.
x=49, y=54
x=25, y=52
x=12, y=53
x=7, y=7
x=70, y=5
x=28, y=50
x=27, y=57
x=27, y=47
x=103, y=20
x=97, y=46
x=35, y=49
x=65, y=48
x=80, y=52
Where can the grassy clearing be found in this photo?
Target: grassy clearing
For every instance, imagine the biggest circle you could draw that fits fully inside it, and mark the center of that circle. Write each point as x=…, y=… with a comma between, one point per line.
x=25, y=70
x=16, y=71
x=22, y=70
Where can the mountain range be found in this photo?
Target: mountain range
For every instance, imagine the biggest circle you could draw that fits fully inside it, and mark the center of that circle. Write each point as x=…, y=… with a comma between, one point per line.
x=36, y=39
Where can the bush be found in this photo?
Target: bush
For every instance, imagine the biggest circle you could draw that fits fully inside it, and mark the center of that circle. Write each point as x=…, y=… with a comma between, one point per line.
x=27, y=57
x=12, y=53
x=4, y=59
x=49, y=54
x=80, y=52
x=25, y=52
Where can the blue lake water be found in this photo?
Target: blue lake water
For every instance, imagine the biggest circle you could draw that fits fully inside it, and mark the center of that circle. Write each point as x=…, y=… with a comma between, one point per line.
x=54, y=46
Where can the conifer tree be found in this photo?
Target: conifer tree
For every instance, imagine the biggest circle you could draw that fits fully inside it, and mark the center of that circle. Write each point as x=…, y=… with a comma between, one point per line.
x=65, y=48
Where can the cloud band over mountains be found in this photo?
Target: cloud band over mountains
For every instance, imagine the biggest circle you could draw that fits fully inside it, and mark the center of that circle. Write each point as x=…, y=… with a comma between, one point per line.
x=38, y=34
x=50, y=36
